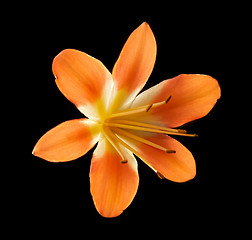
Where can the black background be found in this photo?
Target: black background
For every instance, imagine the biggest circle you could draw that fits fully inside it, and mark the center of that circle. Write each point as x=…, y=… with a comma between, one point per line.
x=190, y=39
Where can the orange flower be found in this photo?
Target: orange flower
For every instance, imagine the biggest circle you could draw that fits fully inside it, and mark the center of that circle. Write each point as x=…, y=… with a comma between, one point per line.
x=123, y=123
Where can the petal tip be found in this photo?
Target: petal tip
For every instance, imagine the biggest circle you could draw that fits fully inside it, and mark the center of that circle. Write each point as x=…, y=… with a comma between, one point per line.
x=105, y=215
x=145, y=24
x=189, y=176
x=146, y=27
x=35, y=151
x=38, y=153
x=183, y=179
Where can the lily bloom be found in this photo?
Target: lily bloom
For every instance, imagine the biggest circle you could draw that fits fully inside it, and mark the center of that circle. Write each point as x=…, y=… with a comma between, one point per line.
x=124, y=123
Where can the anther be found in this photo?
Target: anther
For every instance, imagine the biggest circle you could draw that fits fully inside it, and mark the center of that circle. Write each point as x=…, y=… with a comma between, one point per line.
x=170, y=151
x=168, y=99
x=139, y=110
x=149, y=107
x=124, y=161
x=161, y=176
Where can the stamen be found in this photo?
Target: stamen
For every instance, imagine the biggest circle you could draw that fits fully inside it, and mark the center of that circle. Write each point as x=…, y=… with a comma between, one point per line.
x=124, y=161
x=138, y=110
x=123, y=143
x=111, y=135
x=128, y=122
x=114, y=145
x=170, y=151
x=143, y=140
x=161, y=176
x=168, y=99
x=158, y=104
x=148, y=108
x=119, y=125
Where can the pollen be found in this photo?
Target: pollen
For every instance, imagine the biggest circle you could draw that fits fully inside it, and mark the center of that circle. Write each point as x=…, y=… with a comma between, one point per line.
x=124, y=161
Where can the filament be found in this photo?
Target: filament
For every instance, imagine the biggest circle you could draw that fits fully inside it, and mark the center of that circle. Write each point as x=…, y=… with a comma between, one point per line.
x=146, y=129
x=137, y=110
x=107, y=134
x=143, y=140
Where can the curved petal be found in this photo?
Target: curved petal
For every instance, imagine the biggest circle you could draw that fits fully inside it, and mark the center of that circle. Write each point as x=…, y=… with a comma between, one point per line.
x=82, y=79
x=135, y=63
x=177, y=167
x=113, y=184
x=67, y=141
x=192, y=97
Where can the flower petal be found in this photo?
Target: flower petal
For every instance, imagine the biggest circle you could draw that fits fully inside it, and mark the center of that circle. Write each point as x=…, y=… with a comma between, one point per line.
x=82, y=79
x=177, y=167
x=113, y=184
x=135, y=62
x=192, y=97
x=68, y=141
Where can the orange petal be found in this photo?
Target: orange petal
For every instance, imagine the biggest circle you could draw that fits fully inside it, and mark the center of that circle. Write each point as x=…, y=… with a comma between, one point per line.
x=81, y=78
x=177, y=167
x=67, y=141
x=192, y=97
x=136, y=61
x=113, y=184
